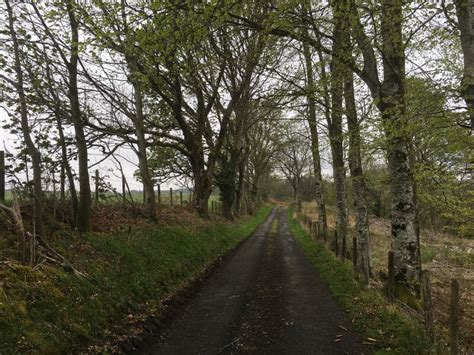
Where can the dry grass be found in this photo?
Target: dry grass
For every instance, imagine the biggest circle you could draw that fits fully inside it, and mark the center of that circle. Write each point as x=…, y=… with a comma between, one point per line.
x=446, y=257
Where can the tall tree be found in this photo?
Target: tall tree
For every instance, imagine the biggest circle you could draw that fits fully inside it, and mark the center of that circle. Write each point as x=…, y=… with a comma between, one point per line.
x=358, y=180
x=85, y=202
x=313, y=129
x=26, y=131
x=336, y=135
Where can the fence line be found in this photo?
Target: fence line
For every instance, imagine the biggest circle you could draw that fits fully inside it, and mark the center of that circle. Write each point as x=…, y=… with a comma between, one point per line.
x=426, y=297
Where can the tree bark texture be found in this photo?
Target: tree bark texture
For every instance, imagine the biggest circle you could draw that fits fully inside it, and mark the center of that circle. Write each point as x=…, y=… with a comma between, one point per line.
x=389, y=97
x=392, y=104
x=335, y=123
x=358, y=181
x=85, y=202
x=465, y=14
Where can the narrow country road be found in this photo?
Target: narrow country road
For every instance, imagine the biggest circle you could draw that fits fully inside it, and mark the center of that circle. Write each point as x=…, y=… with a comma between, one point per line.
x=266, y=299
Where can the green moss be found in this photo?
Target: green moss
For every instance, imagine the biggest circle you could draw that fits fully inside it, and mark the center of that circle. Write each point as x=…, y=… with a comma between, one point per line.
x=374, y=317
x=53, y=311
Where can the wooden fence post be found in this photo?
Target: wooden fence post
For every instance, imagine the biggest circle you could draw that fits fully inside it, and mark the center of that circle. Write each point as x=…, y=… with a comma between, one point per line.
x=54, y=195
x=454, y=315
x=171, y=196
x=2, y=176
x=212, y=206
x=354, y=253
x=97, y=186
x=124, y=189
x=427, y=303
x=391, y=276
x=181, y=197
x=343, y=247
x=159, y=194
x=62, y=183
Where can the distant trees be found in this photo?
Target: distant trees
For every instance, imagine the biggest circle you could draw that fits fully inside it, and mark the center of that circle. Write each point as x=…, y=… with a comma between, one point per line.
x=294, y=161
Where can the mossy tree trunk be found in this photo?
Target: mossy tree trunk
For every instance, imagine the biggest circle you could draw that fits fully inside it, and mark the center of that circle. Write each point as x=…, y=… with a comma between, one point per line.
x=358, y=181
x=335, y=131
x=392, y=106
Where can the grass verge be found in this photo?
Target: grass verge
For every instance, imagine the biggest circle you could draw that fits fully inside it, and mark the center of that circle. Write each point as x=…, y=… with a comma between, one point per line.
x=49, y=310
x=384, y=329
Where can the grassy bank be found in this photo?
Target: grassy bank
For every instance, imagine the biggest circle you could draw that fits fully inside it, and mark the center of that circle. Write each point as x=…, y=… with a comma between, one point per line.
x=382, y=326
x=49, y=310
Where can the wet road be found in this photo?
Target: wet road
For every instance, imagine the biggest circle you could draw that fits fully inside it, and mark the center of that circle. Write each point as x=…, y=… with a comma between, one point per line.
x=266, y=299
